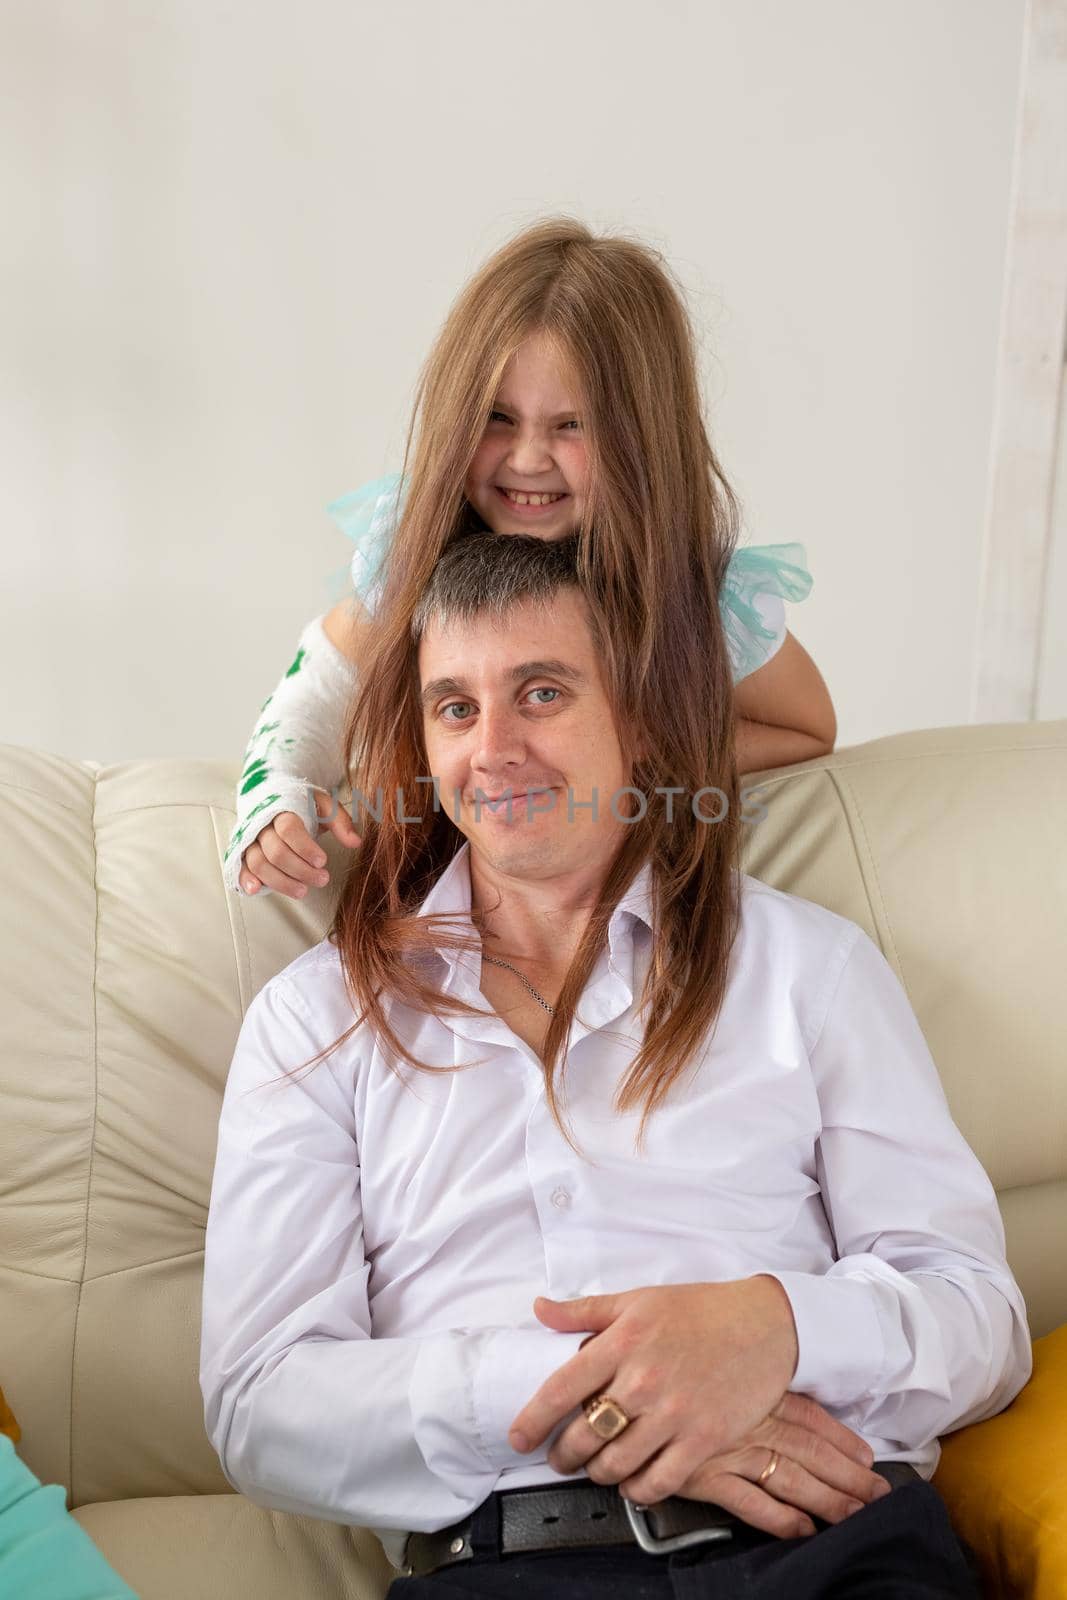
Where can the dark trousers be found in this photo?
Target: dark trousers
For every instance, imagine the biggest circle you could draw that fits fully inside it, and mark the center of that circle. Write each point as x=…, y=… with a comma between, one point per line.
x=901, y=1547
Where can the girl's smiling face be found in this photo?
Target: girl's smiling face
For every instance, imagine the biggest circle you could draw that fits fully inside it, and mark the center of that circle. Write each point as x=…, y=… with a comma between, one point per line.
x=533, y=443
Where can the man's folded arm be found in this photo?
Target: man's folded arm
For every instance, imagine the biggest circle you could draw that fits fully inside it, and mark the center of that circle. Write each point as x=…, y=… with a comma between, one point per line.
x=306, y=1411
x=919, y=1326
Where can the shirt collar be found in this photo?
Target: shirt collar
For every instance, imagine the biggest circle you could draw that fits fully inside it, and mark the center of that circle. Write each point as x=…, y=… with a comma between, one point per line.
x=452, y=892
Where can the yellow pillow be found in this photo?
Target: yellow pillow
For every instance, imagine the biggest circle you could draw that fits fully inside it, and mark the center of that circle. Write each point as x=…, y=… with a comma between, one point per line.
x=1004, y=1482
x=8, y=1424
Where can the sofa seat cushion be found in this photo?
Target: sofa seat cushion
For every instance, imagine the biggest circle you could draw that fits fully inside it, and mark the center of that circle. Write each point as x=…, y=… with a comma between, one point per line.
x=216, y=1546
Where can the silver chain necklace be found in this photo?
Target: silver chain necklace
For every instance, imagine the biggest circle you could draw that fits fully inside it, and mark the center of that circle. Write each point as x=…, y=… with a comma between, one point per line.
x=497, y=962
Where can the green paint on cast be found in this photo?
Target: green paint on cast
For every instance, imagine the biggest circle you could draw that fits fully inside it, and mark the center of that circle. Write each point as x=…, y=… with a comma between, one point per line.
x=262, y=806
x=239, y=834
x=265, y=704
x=297, y=663
x=256, y=778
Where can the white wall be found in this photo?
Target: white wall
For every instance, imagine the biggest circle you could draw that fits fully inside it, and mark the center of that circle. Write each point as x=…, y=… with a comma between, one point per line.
x=232, y=228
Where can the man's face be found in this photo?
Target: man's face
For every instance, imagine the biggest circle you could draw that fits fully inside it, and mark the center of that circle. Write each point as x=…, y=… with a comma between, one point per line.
x=518, y=703
x=534, y=440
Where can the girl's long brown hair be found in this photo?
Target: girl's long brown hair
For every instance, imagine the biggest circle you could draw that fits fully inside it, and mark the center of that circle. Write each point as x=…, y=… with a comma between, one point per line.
x=659, y=526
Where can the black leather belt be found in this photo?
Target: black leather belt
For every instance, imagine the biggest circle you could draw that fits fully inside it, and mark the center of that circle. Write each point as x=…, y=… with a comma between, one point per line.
x=570, y=1516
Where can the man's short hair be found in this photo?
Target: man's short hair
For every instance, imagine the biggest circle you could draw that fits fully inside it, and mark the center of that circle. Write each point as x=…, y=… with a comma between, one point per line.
x=491, y=572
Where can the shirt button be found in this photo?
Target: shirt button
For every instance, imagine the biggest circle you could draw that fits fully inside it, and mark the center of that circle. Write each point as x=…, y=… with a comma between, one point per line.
x=561, y=1199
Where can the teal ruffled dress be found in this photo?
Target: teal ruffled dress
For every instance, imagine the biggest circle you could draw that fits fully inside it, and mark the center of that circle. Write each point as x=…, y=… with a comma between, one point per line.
x=759, y=578
x=45, y=1554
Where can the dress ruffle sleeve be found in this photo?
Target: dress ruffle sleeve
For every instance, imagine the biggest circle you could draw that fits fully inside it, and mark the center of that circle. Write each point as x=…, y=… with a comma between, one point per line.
x=368, y=516
x=759, y=579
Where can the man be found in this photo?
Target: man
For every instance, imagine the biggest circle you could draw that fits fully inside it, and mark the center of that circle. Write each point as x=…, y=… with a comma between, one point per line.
x=794, y=1270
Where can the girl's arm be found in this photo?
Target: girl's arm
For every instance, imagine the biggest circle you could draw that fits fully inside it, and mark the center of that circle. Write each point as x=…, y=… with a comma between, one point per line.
x=295, y=746
x=346, y=627
x=784, y=712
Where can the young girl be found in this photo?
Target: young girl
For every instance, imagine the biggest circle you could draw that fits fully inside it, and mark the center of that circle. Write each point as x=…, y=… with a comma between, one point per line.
x=552, y=402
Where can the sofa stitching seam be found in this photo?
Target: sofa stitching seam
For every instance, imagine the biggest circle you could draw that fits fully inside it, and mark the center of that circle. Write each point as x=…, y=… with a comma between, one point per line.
x=94, y=1068
x=238, y=931
x=868, y=866
x=101, y=1277
x=804, y=769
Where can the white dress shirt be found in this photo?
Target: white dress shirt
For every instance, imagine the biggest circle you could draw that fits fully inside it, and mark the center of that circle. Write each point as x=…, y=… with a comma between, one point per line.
x=375, y=1243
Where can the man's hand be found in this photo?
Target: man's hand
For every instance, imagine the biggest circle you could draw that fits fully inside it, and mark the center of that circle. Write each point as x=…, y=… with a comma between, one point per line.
x=823, y=1470
x=695, y=1365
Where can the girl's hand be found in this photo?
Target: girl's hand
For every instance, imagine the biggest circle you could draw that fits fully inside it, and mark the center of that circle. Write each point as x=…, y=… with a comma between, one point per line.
x=823, y=1468
x=286, y=858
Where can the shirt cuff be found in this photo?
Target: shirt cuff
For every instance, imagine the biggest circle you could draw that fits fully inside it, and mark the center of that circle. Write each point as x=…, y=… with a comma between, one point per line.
x=514, y=1365
x=839, y=1336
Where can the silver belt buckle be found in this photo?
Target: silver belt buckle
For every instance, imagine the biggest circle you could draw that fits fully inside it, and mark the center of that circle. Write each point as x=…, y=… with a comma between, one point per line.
x=680, y=1541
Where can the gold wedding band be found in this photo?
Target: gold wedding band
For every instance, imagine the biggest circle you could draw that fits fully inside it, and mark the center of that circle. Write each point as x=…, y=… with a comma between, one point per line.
x=769, y=1468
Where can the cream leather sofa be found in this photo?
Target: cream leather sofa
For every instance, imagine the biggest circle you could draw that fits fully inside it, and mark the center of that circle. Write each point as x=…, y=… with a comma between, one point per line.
x=126, y=970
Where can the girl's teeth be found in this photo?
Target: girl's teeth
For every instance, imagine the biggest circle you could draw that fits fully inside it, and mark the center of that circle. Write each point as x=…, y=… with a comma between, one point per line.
x=532, y=499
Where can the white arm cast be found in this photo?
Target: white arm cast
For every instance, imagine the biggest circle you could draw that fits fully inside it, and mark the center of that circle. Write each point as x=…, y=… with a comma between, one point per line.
x=295, y=746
